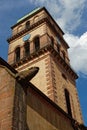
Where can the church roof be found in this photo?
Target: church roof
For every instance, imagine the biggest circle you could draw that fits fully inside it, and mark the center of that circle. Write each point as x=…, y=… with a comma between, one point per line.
x=5, y=64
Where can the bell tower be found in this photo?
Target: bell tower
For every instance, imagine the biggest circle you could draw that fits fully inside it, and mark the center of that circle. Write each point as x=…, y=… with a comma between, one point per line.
x=37, y=40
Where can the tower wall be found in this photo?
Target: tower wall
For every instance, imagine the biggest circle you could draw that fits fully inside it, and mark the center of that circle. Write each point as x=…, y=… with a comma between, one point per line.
x=62, y=81
x=38, y=31
x=41, y=80
x=58, y=41
x=55, y=73
x=52, y=80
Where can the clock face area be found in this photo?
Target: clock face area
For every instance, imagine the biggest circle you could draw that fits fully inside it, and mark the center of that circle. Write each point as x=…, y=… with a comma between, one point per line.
x=26, y=37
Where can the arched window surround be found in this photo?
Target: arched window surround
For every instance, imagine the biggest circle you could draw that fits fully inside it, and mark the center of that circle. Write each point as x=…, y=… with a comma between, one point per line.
x=36, y=18
x=19, y=29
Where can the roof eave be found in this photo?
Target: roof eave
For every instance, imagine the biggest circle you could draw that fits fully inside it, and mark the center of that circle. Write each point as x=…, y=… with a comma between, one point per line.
x=5, y=64
x=43, y=8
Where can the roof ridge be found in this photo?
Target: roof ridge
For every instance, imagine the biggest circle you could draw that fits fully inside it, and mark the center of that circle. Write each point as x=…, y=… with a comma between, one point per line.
x=30, y=13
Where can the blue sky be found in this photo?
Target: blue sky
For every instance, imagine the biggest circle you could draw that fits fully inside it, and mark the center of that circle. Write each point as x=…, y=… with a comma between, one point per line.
x=71, y=15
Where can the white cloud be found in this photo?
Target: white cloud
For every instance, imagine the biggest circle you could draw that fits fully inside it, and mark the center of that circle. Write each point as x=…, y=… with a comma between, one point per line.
x=66, y=12
x=78, y=52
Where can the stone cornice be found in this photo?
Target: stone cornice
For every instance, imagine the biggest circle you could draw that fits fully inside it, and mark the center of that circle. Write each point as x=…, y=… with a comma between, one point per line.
x=43, y=8
x=25, y=30
x=43, y=50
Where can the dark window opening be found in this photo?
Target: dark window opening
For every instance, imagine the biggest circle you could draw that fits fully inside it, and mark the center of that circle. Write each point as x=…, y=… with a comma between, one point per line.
x=52, y=41
x=63, y=75
x=27, y=24
x=67, y=97
x=17, y=53
x=27, y=49
x=37, y=43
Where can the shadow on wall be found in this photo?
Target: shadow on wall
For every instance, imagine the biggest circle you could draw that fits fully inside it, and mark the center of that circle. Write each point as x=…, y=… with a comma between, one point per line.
x=39, y=107
x=27, y=128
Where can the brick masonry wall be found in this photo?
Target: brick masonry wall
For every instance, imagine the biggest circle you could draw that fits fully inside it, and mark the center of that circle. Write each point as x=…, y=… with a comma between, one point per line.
x=51, y=82
x=12, y=102
x=7, y=89
x=40, y=31
x=66, y=83
x=40, y=79
x=45, y=78
x=41, y=115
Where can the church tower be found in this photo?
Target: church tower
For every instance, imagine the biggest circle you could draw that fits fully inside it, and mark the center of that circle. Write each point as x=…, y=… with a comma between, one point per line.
x=37, y=40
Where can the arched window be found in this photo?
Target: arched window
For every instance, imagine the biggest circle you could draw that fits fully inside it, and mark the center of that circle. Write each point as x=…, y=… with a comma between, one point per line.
x=27, y=24
x=67, y=97
x=17, y=54
x=37, y=43
x=36, y=19
x=27, y=49
x=52, y=41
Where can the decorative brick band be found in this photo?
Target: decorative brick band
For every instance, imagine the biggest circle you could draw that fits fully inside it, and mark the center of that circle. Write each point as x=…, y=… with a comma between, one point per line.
x=50, y=76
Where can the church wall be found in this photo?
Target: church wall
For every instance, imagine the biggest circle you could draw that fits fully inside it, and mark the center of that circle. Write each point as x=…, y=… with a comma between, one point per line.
x=7, y=90
x=41, y=114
